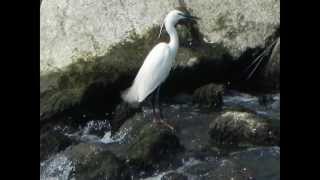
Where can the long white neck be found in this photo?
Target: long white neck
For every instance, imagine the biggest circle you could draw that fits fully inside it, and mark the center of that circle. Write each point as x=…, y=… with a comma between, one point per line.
x=174, y=40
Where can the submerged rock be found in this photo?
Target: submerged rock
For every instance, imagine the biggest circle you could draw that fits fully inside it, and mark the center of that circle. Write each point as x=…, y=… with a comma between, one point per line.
x=91, y=161
x=209, y=95
x=52, y=142
x=200, y=168
x=174, y=176
x=234, y=127
x=261, y=163
x=226, y=170
x=153, y=144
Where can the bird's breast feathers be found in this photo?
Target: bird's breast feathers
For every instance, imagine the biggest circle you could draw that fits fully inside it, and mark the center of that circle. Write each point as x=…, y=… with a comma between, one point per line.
x=154, y=70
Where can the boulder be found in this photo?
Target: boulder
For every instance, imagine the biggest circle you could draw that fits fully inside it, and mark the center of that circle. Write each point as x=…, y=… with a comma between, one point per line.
x=52, y=142
x=91, y=161
x=242, y=128
x=153, y=144
x=91, y=50
x=209, y=95
x=70, y=29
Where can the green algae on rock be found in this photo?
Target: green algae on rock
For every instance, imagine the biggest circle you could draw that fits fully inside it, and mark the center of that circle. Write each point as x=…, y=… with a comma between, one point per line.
x=209, y=95
x=69, y=86
x=92, y=161
x=152, y=145
x=241, y=128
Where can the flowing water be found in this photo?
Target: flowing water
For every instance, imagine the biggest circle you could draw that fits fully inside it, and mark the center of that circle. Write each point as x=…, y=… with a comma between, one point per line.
x=193, y=134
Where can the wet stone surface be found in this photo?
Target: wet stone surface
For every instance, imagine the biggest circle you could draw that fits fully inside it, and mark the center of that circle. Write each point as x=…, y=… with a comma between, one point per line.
x=143, y=150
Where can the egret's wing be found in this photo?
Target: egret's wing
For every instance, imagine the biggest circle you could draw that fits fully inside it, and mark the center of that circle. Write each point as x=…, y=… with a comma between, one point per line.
x=153, y=72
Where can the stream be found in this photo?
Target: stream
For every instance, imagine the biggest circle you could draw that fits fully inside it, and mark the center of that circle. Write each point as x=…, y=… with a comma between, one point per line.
x=192, y=128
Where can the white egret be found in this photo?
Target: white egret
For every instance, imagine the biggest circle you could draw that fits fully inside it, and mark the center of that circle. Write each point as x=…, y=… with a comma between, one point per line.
x=156, y=67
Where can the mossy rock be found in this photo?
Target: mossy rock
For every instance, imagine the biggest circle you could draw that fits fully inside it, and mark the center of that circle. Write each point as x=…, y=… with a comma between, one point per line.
x=209, y=95
x=240, y=128
x=92, y=161
x=104, y=165
x=122, y=113
x=52, y=142
x=153, y=144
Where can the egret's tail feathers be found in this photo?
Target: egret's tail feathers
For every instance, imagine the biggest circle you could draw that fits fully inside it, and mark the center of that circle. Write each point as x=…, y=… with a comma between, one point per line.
x=130, y=96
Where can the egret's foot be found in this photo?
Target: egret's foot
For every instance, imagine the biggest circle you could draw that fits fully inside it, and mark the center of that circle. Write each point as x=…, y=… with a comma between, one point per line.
x=164, y=123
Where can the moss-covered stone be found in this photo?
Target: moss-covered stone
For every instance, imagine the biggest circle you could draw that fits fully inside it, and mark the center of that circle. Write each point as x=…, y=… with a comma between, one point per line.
x=91, y=161
x=52, y=142
x=102, y=166
x=153, y=144
x=240, y=128
x=66, y=88
x=209, y=95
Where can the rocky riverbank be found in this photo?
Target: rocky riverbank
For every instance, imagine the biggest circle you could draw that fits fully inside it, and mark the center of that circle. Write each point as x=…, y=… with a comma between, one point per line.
x=242, y=140
x=222, y=97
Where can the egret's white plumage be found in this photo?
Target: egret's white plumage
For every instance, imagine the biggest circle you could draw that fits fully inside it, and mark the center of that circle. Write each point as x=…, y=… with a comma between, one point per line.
x=157, y=65
x=152, y=73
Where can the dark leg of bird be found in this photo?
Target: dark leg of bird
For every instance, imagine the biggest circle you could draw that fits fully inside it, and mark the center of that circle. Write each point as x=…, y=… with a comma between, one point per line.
x=157, y=100
x=160, y=115
x=153, y=104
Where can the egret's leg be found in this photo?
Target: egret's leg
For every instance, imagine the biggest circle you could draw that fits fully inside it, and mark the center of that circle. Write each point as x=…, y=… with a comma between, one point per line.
x=153, y=104
x=158, y=102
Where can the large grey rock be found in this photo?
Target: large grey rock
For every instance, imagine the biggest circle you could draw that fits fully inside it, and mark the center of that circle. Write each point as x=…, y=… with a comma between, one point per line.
x=87, y=42
x=70, y=29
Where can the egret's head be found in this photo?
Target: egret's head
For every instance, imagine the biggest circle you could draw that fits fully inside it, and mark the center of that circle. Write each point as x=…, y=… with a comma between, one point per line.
x=176, y=16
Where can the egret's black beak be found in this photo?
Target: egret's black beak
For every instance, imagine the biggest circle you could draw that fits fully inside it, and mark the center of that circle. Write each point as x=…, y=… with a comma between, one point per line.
x=191, y=17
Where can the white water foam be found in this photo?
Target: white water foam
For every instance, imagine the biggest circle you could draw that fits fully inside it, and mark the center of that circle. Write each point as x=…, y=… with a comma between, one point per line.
x=185, y=164
x=58, y=167
x=107, y=139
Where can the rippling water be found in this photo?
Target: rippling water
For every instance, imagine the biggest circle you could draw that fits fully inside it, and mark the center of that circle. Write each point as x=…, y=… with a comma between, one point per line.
x=59, y=167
